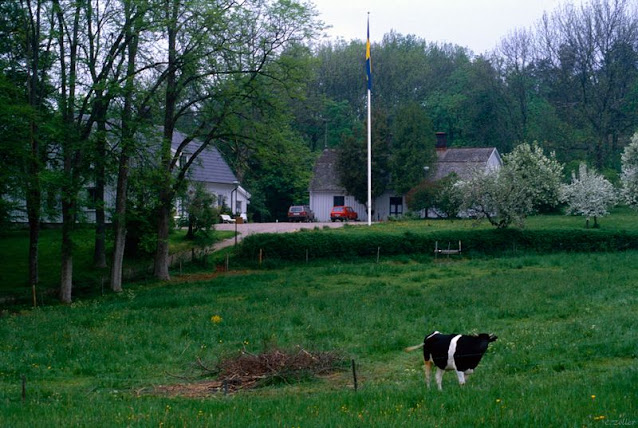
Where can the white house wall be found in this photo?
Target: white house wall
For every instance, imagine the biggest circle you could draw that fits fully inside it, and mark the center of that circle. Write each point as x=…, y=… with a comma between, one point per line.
x=321, y=204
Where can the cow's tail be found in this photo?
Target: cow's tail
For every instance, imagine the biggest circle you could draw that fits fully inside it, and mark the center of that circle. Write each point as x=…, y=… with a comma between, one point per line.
x=414, y=348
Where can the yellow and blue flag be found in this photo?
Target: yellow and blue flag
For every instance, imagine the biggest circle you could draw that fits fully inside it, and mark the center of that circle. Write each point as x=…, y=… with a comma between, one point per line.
x=368, y=59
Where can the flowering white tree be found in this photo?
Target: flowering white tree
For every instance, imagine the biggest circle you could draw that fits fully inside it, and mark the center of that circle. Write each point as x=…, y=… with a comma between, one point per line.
x=538, y=174
x=629, y=173
x=589, y=194
x=527, y=180
x=493, y=195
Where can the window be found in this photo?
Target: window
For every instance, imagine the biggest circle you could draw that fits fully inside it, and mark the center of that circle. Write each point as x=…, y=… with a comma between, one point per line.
x=183, y=159
x=238, y=207
x=396, y=205
x=338, y=201
x=91, y=202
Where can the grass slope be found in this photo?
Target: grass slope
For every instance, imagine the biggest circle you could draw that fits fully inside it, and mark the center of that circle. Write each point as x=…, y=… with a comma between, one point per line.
x=566, y=354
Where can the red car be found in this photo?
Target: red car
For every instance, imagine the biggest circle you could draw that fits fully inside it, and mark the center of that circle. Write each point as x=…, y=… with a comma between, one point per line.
x=343, y=213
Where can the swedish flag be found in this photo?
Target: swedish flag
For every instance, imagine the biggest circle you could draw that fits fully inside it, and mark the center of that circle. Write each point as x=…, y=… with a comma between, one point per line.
x=368, y=59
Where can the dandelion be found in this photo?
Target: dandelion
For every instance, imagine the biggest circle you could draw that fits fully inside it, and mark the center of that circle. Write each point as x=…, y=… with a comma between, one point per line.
x=593, y=397
x=599, y=418
x=216, y=319
x=498, y=400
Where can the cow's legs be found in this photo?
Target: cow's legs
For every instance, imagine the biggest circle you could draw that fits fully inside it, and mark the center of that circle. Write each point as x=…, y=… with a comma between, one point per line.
x=439, y=378
x=461, y=377
x=427, y=368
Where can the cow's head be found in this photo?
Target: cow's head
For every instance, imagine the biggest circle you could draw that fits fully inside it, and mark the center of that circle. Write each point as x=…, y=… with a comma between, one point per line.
x=488, y=337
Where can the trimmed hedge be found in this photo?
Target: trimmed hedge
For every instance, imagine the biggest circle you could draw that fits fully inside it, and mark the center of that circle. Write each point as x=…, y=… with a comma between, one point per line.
x=329, y=244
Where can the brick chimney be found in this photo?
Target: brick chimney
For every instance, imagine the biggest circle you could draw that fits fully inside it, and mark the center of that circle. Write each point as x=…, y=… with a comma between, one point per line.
x=441, y=141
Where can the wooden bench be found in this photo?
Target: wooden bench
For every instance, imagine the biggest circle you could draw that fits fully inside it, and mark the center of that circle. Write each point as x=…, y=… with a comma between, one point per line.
x=227, y=219
x=447, y=251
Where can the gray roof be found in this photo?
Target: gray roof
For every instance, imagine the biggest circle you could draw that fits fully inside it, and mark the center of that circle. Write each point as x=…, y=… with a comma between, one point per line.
x=325, y=175
x=462, y=161
x=209, y=166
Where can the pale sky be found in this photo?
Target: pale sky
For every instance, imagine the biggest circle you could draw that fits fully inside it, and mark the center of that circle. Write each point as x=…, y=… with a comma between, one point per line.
x=476, y=24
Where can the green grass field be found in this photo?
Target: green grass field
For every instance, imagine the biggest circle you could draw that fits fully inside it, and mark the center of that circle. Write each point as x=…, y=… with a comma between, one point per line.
x=566, y=354
x=14, y=253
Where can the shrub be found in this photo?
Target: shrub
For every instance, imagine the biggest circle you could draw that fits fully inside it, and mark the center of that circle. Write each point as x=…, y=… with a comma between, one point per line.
x=318, y=244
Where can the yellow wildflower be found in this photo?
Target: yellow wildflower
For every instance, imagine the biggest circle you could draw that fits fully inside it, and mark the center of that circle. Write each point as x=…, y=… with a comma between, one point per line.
x=216, y=319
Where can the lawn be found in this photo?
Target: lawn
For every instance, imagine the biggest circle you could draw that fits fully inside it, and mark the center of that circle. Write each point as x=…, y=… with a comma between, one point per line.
x=566, y=353
x=14, y=253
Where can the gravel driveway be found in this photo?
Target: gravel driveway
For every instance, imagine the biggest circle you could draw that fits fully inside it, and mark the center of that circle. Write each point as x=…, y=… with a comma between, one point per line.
x=246, y=229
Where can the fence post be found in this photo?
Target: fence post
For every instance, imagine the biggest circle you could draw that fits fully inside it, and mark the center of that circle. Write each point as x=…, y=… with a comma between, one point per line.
x=354, y=375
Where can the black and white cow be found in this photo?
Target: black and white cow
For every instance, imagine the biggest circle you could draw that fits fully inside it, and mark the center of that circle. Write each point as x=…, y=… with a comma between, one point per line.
x=458, y=352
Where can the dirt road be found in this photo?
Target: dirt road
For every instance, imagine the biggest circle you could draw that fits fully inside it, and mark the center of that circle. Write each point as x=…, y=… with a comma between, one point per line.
x=247, y=229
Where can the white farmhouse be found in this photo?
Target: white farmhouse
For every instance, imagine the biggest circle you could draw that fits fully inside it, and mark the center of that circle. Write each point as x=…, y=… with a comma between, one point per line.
x=326, y=190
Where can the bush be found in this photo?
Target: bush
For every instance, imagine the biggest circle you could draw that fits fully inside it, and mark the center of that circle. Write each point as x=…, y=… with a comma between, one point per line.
x=320, y=244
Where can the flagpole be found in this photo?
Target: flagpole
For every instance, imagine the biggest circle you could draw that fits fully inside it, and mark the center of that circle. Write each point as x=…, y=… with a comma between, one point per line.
x=369, y=159
x=369, y=66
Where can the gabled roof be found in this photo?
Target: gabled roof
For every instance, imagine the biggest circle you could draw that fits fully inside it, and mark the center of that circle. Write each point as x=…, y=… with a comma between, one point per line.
x=209, y=166
x=325, y=175
x=462, y=161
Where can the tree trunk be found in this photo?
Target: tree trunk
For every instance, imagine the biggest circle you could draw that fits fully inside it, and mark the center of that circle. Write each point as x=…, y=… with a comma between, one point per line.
x=191, y=232
x=33, y=210
x=166, y=193
x=128, y=135
x=34, y=195
x=33, y=191
x=163, y=229
x=66, y=272
x=99, y=254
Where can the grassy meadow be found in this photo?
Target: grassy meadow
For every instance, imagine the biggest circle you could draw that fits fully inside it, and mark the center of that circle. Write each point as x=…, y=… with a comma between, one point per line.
x=566, y=353
x=14, y=258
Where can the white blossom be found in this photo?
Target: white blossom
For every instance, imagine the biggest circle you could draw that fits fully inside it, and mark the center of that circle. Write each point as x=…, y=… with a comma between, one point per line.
x=629, y=173
x=589, y=194
x=508, y=195
x=538, y=174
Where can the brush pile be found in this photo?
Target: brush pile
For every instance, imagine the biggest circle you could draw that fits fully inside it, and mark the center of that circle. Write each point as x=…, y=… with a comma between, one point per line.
x=246, y=370
x=276, y=366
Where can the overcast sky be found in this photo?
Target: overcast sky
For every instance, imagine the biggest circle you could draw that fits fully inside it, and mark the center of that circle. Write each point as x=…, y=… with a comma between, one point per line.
x=476, y=24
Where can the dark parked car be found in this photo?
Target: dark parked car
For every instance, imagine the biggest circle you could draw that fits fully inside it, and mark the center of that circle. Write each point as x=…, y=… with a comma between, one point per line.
x=300, y=213
x=343, y=213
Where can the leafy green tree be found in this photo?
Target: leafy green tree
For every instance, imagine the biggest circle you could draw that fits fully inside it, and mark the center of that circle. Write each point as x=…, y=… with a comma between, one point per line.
x=25, y=61
x=423, y=196
x=230, y=60
x=412, y=147
x=202, y=214
x=353, y=159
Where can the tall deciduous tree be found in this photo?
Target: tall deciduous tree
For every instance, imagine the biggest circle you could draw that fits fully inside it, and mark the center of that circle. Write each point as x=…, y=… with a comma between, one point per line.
x=353, y=155
x=217, y=55
x=89, y=66
x=593, y=50
x=412, y=147
x=134, y=22
x=25, y=27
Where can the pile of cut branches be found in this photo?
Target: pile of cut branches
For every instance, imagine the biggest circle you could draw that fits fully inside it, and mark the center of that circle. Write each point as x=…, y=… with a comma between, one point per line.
x=245, y=370
x=276, y=366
